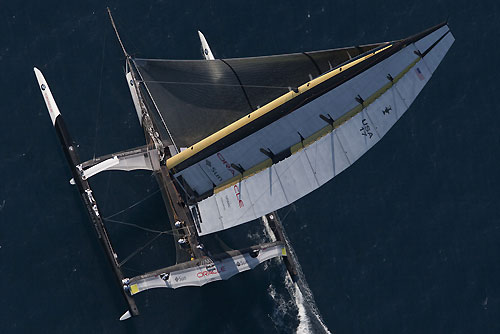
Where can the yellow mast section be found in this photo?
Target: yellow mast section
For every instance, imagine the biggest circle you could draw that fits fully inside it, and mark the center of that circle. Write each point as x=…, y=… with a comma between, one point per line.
x=204, y=143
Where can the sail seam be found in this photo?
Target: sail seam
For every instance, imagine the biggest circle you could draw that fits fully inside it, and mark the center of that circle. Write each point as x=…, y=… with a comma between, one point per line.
x=313, y=61
x=241, y=84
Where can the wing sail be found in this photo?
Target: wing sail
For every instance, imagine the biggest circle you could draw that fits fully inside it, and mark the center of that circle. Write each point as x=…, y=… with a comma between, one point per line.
x=294, y=155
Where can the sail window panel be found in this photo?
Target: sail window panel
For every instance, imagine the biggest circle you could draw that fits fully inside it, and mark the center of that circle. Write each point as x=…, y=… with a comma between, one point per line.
x=296, y=180
x=437, y=53
x=195, y=97
x=424, y=43
x=410, y=85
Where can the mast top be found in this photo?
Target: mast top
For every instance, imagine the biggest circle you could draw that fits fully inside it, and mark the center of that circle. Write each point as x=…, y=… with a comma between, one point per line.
x=116, y=32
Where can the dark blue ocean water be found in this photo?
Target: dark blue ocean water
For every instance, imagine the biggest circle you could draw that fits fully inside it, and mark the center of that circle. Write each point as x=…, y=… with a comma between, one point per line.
x=407, y=240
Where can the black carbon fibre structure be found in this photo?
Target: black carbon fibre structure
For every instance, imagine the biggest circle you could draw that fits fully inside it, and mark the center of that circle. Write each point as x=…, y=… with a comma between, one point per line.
x=92, y=209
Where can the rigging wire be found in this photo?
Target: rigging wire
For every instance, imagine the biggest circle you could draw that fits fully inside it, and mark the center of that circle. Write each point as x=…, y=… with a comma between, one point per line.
x=292, y=208
x=135, y=225
x=139, y=249
x=133, y=205
x=132, y=269
x=170, y=232
x=116, y=24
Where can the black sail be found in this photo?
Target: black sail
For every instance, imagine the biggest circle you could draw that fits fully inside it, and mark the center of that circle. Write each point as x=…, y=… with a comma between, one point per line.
x=197, y=97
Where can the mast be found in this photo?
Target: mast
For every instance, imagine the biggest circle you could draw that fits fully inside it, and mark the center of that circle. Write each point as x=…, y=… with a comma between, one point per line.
x=140, y=106
x=117, y=34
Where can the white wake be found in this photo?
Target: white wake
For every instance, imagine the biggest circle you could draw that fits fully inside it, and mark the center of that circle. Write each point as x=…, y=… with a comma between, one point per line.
x=309, y=318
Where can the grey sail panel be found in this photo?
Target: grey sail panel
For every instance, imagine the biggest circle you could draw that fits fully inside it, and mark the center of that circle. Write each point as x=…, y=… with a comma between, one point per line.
x=327, y=151
x=197, y=97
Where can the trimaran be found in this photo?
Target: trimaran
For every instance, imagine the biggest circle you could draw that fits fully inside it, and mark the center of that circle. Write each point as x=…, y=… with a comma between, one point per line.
x=234, y=140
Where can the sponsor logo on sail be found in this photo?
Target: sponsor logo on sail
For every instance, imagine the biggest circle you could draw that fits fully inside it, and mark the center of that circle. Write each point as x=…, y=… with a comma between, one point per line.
x=365, y=130
x=213, y=170
x=180, y=278
x=238, y=196
x=225, y=163
x=419, y=74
